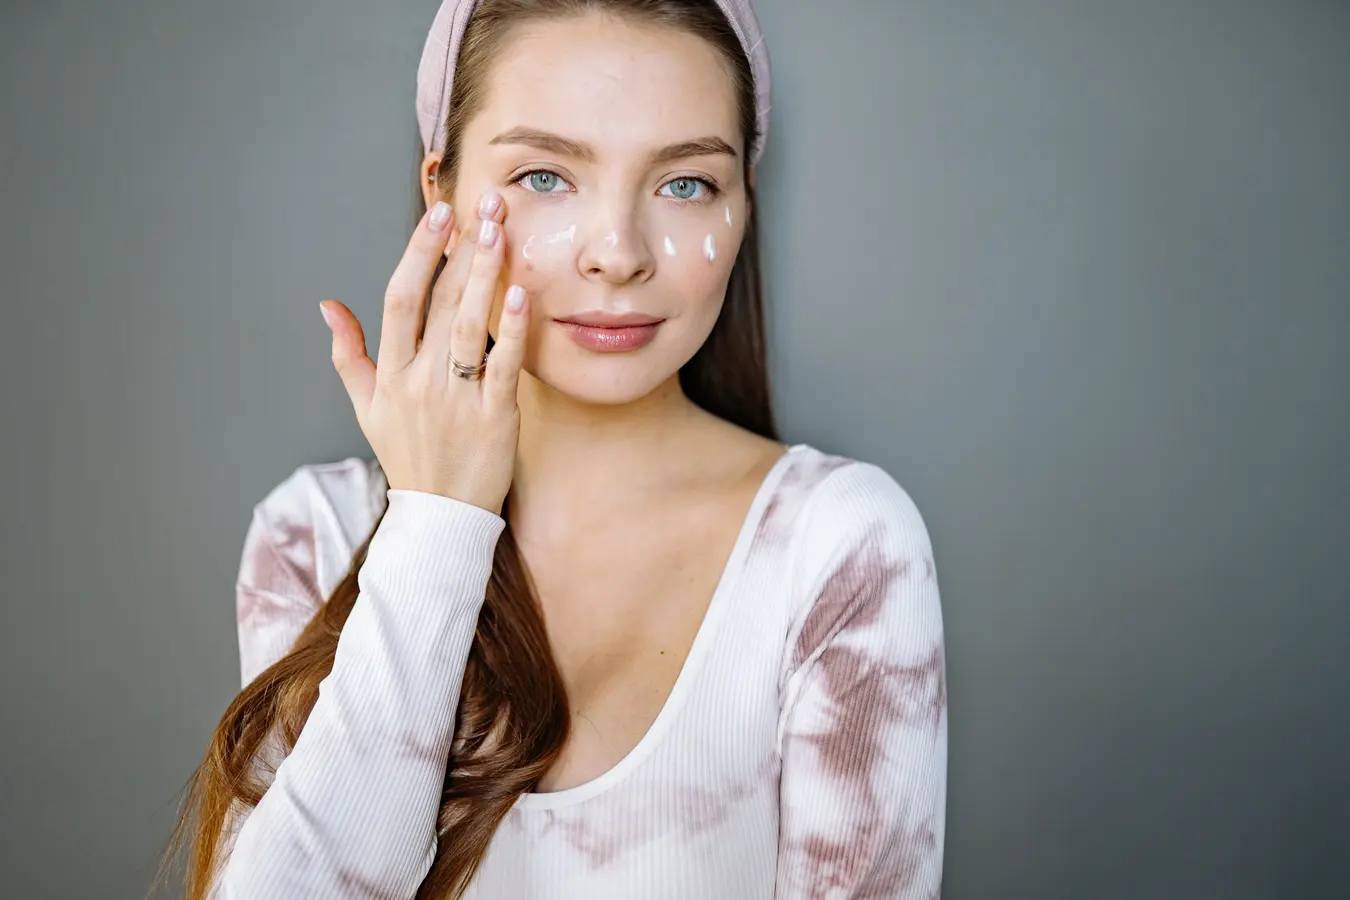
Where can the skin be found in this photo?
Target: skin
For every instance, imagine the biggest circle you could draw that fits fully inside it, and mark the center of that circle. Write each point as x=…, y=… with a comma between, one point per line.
x=589, y=420
x=626, y=497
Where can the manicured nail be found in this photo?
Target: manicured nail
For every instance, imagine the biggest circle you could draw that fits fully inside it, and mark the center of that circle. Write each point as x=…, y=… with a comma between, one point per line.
x=327, y=316
x=488, y=204
x=440, y=214
x=515, y=298
x=487, y=235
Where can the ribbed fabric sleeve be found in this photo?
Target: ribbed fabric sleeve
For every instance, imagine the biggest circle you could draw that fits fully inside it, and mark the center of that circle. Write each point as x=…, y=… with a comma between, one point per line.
x=863, y=728
x=351, y=812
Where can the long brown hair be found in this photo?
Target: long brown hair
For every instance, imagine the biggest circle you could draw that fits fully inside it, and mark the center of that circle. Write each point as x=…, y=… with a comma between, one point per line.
x=510, y=728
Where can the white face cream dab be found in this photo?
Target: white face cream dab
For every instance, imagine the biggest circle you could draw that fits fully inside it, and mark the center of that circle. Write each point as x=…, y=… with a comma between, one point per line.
x=569, y=235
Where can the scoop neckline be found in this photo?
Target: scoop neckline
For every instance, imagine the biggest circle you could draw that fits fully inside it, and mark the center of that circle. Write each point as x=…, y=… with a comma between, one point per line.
x=693, y=663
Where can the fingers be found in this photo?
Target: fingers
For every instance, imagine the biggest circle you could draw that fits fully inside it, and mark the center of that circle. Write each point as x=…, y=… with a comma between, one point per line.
x=354, y=367
x=401, y=326
x=449, y=287
x=508, y=352
x=469, y=331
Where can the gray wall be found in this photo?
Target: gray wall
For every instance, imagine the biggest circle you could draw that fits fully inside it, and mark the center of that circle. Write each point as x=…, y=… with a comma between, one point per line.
x=1077, y=274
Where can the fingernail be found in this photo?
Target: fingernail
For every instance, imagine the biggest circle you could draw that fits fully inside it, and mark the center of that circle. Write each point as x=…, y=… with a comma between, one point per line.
x=489, y=203
x=487, y=235
x=440, y=214
x=327, y=316
x=515, y=298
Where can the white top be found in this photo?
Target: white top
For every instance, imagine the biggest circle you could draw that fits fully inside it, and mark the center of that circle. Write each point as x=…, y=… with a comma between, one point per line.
x=802, y=752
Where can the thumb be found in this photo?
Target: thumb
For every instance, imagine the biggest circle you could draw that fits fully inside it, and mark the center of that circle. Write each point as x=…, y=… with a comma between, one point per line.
x=354, y=367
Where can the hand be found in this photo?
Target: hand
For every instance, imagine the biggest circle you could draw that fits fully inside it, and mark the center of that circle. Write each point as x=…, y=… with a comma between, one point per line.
x=430, y=429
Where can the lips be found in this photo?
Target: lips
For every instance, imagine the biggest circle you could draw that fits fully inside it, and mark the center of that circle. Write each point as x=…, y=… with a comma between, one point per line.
x=611, y=339
x=610, y=320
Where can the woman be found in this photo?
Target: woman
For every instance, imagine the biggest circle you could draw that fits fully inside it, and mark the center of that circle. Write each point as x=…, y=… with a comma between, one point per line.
x=606, y=636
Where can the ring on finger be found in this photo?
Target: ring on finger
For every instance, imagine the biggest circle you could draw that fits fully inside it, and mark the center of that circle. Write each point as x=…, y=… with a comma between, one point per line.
x=468, y=373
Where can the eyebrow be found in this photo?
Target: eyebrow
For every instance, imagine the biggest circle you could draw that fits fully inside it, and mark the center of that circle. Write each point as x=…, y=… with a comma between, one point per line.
x=556, y=143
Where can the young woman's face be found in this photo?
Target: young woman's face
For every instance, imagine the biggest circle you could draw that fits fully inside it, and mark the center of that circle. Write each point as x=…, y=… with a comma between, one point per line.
x=618, y=151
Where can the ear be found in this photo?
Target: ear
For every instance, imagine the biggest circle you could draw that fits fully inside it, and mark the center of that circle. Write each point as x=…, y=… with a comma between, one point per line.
x=427, y=175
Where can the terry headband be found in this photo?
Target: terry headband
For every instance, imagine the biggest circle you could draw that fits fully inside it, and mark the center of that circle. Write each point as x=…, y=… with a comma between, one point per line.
x=435, y=73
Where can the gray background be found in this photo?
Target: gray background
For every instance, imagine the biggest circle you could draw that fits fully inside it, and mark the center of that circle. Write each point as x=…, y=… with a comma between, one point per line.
x=1076, y=273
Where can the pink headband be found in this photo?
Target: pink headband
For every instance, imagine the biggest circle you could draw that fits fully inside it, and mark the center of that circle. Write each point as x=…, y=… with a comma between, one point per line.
x=435, y=73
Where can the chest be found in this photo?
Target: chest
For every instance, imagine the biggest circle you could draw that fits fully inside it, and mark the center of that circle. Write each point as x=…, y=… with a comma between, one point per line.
x=622, y=609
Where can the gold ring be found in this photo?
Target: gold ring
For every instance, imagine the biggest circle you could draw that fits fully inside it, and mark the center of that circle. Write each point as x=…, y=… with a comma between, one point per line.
x=468, y=373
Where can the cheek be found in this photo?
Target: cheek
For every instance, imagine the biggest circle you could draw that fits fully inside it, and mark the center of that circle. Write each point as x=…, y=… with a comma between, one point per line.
x=539, y=240
x=540, y=250
x=699, y=249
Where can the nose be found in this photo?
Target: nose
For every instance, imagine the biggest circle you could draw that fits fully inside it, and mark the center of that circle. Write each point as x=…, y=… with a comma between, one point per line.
x=615, y=250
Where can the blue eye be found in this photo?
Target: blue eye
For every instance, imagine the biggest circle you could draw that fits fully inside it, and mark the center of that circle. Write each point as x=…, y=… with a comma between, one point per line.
x=685, y=188
x=541, y=181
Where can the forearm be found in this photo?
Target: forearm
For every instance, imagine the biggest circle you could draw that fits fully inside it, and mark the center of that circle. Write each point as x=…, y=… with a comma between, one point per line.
x=352, y=809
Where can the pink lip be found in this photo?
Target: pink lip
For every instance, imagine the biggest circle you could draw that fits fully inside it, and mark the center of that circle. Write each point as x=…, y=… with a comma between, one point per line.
x=611, y=340
x=601, y=319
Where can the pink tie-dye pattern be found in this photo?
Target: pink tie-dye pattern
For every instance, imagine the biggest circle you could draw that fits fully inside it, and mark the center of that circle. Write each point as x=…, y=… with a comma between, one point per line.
x=273, y=601
x=860, y=767
x=864, y=734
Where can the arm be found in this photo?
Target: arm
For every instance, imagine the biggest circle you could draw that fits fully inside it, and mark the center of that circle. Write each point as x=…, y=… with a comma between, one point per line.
x=352, y=809
x=863, y=730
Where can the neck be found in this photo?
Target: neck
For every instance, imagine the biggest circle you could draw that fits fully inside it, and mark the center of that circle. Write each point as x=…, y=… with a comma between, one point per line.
x=574, y=455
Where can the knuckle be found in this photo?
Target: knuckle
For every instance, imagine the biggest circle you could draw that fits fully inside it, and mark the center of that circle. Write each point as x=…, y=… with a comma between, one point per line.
x=440, y=303
x=398, y=296
x=452, y=276
x=467, y=327
x=451, y=290
x=445, y=294
x=481, y=284
x=418, y=384
x=392, y=381
x=386, y=382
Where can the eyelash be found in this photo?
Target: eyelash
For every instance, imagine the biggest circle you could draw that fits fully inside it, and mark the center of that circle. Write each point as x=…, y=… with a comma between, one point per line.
x=712, y=189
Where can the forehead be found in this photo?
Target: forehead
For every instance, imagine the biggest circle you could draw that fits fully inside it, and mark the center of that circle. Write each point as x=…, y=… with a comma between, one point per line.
x=625, y=87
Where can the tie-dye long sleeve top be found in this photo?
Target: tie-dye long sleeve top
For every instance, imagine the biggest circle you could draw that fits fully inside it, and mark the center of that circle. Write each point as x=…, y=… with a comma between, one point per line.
x=801, y=754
